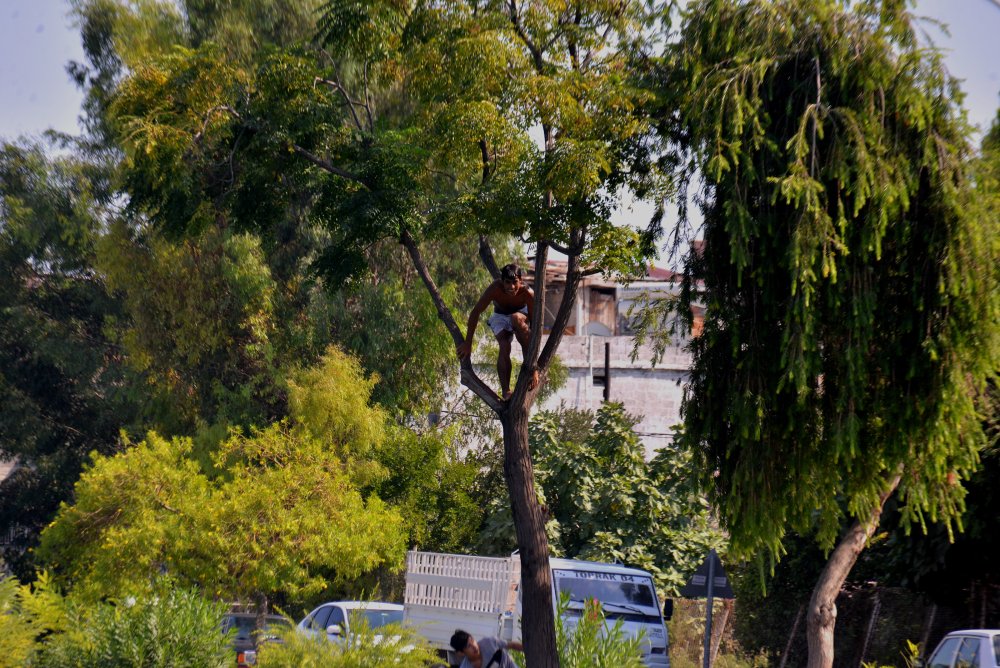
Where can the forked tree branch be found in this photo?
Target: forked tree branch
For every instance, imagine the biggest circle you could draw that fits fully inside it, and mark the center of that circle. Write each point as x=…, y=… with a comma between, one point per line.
x=573, y=275
x=468, y=375
x=347, y=98
x=529, y=365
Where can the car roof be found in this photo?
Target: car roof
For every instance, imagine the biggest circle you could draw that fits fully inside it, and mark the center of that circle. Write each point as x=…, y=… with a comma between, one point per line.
x=368, y=605
x=974, y=632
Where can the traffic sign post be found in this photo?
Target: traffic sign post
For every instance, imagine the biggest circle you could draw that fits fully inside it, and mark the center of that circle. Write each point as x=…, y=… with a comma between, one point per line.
x=708, y=581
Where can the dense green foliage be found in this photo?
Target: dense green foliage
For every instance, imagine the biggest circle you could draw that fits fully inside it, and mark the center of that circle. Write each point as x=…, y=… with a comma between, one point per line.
x=280, y=511
x=850, y=291
x=62, y=378
x=176, y=627
x=169, y=628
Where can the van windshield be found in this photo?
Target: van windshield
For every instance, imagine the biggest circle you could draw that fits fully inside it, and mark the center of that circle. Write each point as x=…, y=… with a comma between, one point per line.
x=623, y=596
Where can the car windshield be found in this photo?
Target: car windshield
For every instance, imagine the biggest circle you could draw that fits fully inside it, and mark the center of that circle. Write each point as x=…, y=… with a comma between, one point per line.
x=378, y=618
x=623, y=596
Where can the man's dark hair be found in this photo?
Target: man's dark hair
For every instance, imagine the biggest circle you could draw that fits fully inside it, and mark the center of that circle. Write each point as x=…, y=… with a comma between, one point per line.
x=511, y=272
x=460, y=640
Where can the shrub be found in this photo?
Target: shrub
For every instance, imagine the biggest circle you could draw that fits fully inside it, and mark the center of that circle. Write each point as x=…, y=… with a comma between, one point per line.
x=390, y=645
x=26, y=614
x=176, y=629
x=591, y=643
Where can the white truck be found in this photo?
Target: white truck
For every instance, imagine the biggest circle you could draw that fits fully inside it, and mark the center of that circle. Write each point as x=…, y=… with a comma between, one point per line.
x=481, y=595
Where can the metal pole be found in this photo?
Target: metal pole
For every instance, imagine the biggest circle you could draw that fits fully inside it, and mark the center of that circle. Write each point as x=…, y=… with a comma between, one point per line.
x=708, y=610
x=607, y=371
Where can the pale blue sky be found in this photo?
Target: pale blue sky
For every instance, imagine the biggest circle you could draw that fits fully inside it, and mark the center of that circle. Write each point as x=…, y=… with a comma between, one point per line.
x=37, y=40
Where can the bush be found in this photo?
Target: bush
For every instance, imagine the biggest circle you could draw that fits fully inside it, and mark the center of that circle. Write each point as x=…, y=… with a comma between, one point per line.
x=176, y=629
x=591, y=643
x=26, y=614
x=390, y=645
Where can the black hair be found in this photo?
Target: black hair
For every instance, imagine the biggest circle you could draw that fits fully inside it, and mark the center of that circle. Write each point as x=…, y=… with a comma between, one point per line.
x=511, y=272
x=460, y=639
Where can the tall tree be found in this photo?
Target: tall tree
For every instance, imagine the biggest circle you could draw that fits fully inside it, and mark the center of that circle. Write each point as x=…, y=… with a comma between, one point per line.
x=849, y=280
x=414, y=126
x=61, y=375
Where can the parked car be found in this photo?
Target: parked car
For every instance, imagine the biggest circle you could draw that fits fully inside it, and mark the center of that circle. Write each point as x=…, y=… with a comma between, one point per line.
x=244, y=625
x=971, y=648
x=333, y=620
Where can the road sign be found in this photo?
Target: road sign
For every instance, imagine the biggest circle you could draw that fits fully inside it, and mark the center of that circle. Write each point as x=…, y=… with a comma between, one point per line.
x=707, y=582
x=697, y=586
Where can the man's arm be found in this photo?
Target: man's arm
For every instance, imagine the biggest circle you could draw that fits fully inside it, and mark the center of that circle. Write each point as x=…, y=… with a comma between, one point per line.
x=530, y=303
x=516, y=646
x=465, y=349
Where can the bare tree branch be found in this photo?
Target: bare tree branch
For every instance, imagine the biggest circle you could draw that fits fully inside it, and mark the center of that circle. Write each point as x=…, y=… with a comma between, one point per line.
x=485, y=152
x=468, y=374
x=573, y=275
x=536, y=53
x=328, y=166
x=368, y=102
x=208, y=116
x=347, y=98
x=529, y=365
x=486, y=255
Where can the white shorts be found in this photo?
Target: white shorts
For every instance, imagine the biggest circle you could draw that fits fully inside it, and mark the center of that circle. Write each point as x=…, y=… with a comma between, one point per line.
x=501, y=323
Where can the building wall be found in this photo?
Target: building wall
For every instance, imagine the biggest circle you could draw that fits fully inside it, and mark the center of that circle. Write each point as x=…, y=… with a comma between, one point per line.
x=654, y=393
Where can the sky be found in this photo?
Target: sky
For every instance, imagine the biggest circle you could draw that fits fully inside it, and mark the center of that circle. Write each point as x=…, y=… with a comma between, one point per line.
x=38, y=40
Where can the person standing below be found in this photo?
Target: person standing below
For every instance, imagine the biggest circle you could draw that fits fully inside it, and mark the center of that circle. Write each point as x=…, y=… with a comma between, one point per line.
x=484, y=653
x=513, y=315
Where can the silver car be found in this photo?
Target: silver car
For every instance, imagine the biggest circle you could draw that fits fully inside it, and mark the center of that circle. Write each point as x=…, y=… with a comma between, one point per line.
x=333, y=620
x=972, y=648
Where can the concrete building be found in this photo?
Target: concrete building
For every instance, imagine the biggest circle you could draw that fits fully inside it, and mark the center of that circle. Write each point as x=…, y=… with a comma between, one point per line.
x=597, y=350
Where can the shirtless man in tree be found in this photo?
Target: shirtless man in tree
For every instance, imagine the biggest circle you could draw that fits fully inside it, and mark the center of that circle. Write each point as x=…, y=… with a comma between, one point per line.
x=513, y=314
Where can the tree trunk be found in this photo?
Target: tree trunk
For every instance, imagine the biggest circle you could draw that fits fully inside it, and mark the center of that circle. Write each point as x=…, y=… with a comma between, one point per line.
x=822, y=615
x=537, y=621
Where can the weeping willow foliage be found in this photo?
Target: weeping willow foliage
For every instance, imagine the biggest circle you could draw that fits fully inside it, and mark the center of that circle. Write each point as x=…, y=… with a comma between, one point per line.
x=847, y=273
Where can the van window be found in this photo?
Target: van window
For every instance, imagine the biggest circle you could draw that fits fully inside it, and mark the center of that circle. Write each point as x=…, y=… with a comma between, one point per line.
x=627, y=593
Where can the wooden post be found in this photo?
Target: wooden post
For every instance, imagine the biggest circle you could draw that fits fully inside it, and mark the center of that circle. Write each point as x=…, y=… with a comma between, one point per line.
x=928, y=627
x=876, y=606
x=708, y=611
x=727, y=608
x=607, y=371
x=791, y=636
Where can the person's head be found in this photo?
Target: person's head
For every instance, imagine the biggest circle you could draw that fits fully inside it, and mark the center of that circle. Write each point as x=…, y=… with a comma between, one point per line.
x=511, y=278
x=465, y=644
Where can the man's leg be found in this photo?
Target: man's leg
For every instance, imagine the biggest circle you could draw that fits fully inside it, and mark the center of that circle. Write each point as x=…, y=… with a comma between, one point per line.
x=519, y=322
x=503, y=363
